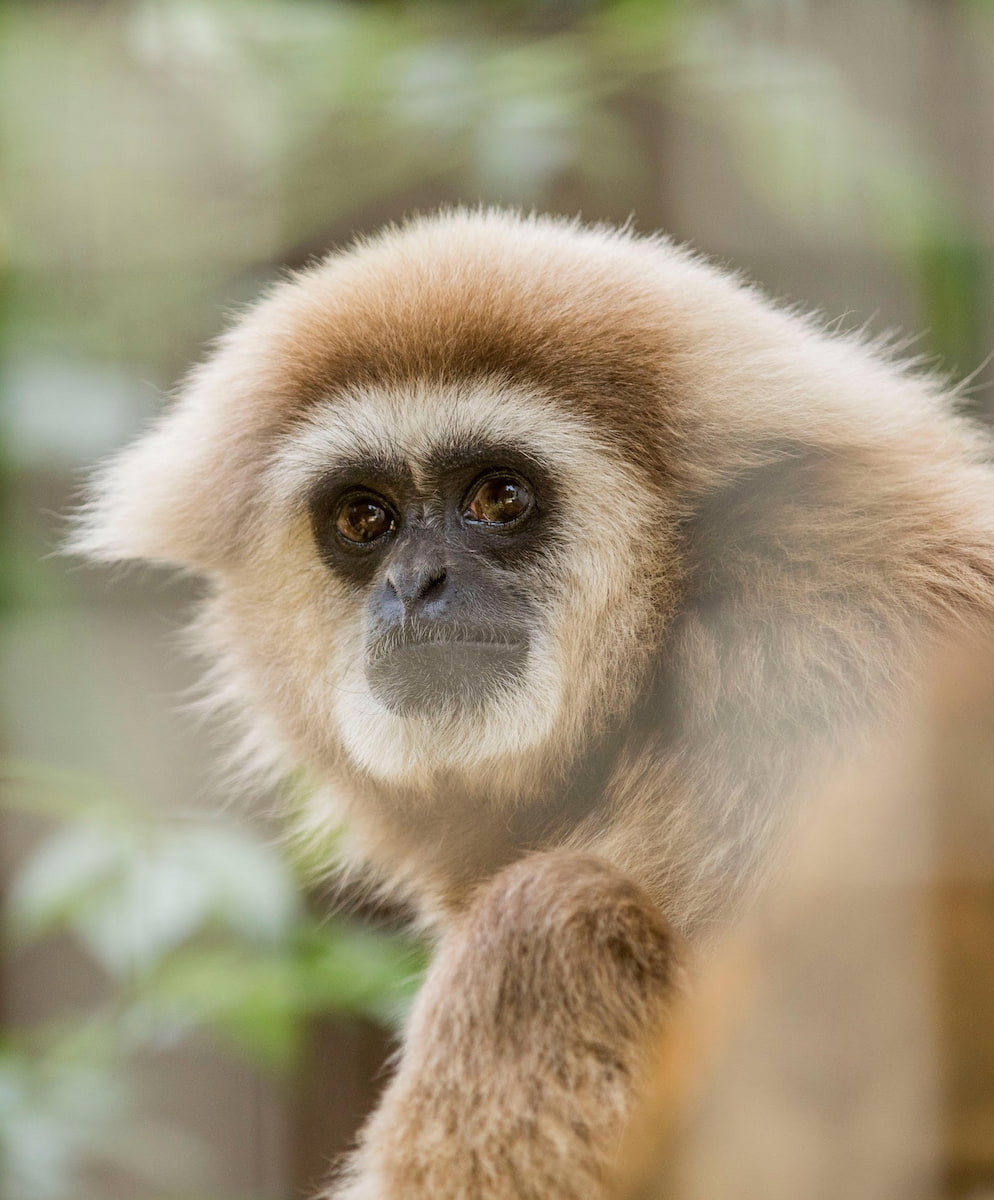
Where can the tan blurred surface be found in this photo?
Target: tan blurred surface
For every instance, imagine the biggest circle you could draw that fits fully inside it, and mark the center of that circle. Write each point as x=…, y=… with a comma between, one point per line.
x=843, y=1043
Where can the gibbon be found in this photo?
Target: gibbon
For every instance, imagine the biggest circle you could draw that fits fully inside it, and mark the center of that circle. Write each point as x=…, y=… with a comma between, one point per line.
x=567, y=565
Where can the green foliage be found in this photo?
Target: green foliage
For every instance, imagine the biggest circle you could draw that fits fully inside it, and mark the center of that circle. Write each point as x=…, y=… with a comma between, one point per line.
x=66, y=1104
x=132, y=894
x=955, y=280
x=194, y=926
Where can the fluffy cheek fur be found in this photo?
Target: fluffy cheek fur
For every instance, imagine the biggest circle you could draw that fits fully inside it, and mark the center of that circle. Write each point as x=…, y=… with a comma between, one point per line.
x=584, y=662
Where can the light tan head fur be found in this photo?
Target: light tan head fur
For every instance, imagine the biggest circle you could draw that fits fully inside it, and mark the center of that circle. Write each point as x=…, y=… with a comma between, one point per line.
x=651, y=384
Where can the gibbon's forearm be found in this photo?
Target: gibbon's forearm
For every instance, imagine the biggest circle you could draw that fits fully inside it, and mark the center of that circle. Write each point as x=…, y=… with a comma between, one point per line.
x=527, y=1045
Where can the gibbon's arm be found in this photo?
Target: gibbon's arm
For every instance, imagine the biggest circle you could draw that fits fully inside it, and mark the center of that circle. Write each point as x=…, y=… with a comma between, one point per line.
x=528, y=1044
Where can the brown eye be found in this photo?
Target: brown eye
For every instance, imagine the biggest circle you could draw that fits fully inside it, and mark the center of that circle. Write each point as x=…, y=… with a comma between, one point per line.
x=498, y=501
x=364, y=518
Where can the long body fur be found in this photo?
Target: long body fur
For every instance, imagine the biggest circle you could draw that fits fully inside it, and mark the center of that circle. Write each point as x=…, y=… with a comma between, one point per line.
x=764, y=528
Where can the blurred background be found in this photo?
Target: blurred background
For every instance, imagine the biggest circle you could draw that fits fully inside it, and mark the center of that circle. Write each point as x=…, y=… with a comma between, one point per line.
x=181, y=1015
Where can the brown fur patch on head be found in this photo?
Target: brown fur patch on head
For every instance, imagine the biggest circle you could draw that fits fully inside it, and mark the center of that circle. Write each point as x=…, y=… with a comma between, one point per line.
x=570, y=312
x=563, y=310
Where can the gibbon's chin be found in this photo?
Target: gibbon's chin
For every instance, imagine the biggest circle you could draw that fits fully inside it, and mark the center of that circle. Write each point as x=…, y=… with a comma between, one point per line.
x=443, y=678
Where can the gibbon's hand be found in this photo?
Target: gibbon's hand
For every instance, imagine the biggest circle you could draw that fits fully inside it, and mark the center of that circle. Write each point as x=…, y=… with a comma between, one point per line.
x=527, y=1044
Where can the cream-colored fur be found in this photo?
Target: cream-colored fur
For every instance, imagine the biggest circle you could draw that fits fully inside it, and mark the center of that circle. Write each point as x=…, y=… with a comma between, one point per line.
x=765, y=526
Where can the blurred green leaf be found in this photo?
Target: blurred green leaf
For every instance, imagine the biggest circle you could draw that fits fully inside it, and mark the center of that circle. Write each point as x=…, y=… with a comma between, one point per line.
x=70, y=1105
x=258, y=1000
x=956, y=286
x=133, y=894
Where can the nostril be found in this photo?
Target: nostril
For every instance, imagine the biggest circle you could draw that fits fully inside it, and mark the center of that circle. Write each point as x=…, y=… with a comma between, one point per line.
x=434, y=583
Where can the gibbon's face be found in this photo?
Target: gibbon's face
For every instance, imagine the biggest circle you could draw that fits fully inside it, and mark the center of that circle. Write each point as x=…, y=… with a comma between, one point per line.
x=470, y=555
x=437, y=551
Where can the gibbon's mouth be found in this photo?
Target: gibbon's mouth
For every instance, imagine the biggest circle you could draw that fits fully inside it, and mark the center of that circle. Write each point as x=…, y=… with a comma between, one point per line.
x=423, y=676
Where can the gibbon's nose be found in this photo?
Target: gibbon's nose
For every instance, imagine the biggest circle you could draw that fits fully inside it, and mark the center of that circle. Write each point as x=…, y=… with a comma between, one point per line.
x=415, y=583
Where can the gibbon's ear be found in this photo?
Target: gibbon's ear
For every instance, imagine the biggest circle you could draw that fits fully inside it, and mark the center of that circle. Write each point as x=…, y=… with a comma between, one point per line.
x=175, y=495
x=185, y=493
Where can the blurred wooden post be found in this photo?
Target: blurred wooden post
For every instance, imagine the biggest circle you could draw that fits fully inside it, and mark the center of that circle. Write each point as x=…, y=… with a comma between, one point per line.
x=342, y=1073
